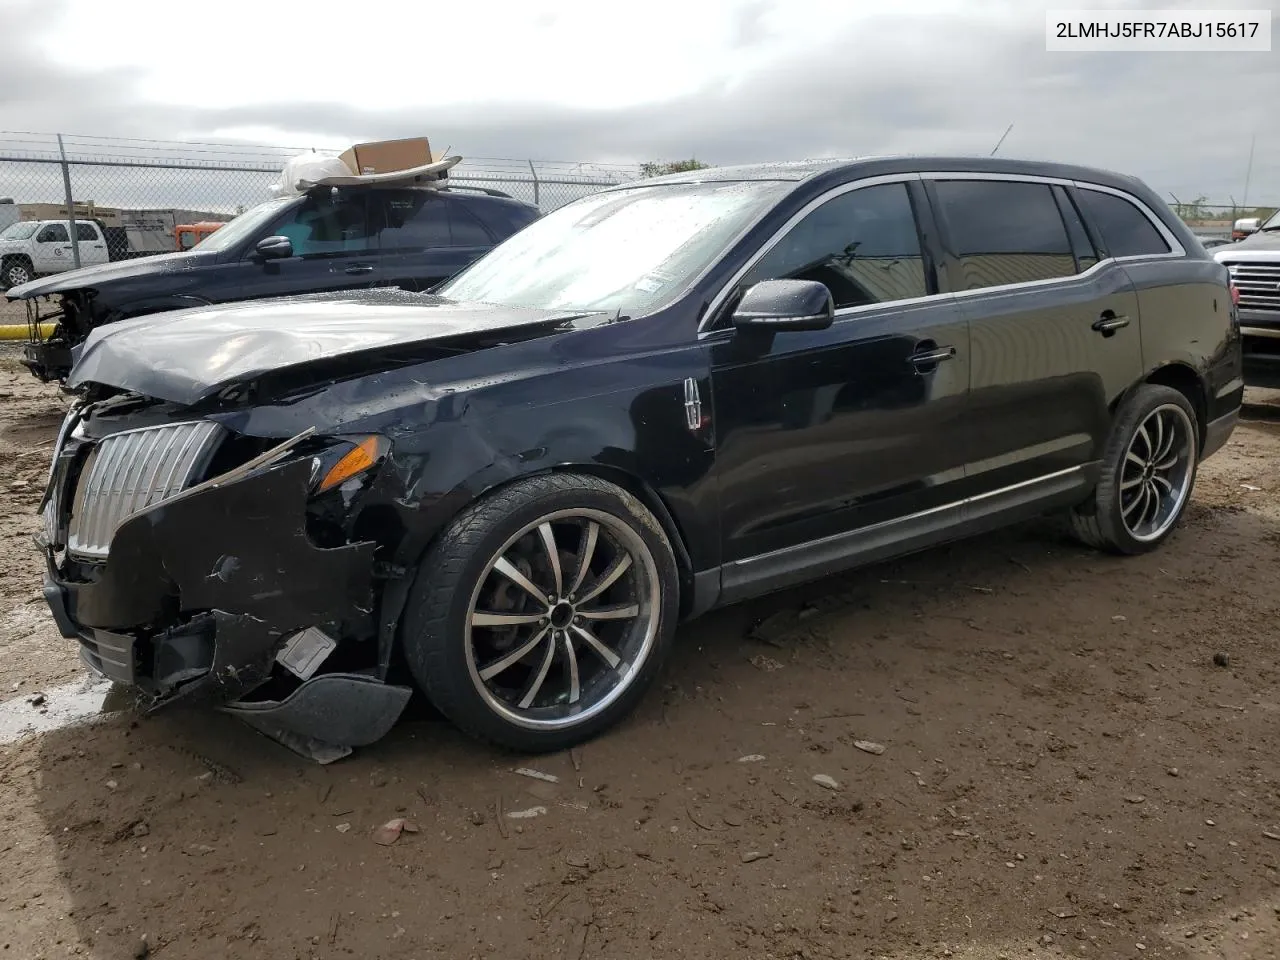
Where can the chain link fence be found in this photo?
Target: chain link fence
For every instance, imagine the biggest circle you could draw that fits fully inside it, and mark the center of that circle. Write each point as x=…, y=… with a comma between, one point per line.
x=1215, y=220
x=140, y=190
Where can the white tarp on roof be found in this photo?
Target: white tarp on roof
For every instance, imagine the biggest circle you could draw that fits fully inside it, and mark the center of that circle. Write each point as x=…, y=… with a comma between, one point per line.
x=318, y=169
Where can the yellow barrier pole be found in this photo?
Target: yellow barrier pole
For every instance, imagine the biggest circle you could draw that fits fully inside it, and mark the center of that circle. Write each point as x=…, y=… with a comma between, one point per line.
x=20, y=331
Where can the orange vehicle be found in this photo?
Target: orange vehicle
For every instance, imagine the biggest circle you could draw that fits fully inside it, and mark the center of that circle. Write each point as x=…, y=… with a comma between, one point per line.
x=187, y=235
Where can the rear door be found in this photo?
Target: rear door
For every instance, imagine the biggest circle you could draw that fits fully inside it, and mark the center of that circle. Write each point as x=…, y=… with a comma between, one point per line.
x=335, y=247
x=51, y=249
x=472, y=239
x=415, y=237
x=92, y=244
x=1054, y=330
x=827, y=433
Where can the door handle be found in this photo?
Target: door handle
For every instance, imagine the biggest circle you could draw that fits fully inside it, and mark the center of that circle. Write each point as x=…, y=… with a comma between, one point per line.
x=1109, y=323
x=932, y=355
x=357, y=268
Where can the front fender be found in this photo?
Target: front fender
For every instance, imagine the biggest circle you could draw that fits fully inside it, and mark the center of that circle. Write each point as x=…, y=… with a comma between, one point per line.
x=641, y=437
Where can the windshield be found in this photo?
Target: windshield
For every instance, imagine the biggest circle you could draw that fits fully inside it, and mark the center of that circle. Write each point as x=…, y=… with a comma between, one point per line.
x=1272, y=222
x=629, y=251
x=18, y=231
x=243, y=226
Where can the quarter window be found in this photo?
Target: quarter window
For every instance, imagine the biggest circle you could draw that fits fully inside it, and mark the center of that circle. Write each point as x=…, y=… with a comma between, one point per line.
x=1004, y=232
x=1125, y=229
x=863, y=245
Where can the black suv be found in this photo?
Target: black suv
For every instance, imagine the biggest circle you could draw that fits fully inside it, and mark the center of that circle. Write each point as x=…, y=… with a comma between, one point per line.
x=329, y=239
x=660, y=399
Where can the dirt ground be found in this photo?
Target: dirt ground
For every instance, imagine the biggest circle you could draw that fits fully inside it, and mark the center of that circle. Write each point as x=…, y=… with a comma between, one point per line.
x=1065, y=772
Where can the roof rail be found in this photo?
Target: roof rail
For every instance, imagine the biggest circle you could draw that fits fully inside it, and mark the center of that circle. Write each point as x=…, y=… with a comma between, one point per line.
x=410, y=184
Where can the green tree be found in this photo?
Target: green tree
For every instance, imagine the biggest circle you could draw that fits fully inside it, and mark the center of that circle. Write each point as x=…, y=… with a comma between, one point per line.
x=658, y=168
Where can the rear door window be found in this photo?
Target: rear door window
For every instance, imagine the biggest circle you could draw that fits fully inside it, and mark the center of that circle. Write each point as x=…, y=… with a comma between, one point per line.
x=503, y=218
x=412, y=220
x=86, y=231
x=464, y=229
x=1004, y=232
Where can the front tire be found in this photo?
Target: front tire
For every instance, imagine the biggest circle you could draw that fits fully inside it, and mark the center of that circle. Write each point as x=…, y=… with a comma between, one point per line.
x=16, y=271
x=1148, y=472
x=543, y=613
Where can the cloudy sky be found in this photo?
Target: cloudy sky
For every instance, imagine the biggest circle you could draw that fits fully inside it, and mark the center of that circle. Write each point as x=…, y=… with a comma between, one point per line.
x=725, y=80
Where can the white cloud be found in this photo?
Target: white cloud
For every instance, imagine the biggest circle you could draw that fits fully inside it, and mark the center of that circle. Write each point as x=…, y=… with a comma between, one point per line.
x=726, y=80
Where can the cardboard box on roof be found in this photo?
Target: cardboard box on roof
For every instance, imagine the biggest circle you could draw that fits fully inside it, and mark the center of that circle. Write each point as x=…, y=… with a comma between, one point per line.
x=387, y=156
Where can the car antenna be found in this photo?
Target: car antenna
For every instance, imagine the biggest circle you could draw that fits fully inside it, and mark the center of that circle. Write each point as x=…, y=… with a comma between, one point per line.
x=1001, y=140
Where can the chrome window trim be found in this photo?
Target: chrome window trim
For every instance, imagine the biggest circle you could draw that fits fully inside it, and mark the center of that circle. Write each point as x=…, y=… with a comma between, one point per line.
x=1012, y=177
x=1176, y=250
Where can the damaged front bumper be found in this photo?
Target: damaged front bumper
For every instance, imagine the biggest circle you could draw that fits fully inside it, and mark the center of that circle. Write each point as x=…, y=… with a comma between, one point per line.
x=198, y=595
x=52, y=357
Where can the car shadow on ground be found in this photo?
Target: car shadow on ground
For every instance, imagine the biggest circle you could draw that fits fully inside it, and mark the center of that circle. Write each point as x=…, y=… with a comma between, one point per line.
x=1027, y=741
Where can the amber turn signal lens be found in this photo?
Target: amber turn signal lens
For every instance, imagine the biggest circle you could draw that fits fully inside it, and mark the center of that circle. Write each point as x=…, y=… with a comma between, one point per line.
x=357, y=460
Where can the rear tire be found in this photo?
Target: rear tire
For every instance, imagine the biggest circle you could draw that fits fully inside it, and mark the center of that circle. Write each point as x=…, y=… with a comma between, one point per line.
x=543, y=613
x=1148, y=472
x=16, y=271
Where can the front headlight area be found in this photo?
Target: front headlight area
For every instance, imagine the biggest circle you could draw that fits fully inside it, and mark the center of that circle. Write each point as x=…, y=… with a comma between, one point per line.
x=343, y=470
x=346, y=464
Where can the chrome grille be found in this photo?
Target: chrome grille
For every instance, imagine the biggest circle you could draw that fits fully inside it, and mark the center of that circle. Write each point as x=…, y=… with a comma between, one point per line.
x=53, y=509
x=130, y=471
x=1258, y=283
x=51, y=518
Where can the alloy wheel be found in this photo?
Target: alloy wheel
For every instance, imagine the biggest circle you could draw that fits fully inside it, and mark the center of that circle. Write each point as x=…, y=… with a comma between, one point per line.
x=1156, y=473
x=562, y=618
x=16, y=274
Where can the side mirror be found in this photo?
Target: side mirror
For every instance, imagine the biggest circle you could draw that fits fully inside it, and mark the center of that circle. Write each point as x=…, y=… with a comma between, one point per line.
x=782, y=305
x=274, y=248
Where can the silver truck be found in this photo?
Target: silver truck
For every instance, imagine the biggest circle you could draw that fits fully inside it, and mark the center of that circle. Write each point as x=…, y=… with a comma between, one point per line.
x=1254, y=264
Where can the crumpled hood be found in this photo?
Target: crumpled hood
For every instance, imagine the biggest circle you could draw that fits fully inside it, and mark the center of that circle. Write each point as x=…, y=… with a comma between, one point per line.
x=105, y=273
x=186, y=355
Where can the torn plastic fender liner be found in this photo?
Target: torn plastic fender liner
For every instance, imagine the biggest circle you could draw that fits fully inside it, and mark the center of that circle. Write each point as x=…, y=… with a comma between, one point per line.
x=348, y=709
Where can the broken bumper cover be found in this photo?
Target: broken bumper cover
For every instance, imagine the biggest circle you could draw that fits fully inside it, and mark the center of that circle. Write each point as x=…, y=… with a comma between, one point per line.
x=48, y=360
x=199, y=593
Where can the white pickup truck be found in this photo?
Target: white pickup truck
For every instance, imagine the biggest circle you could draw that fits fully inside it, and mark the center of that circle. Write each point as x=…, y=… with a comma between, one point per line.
x=32, y=248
